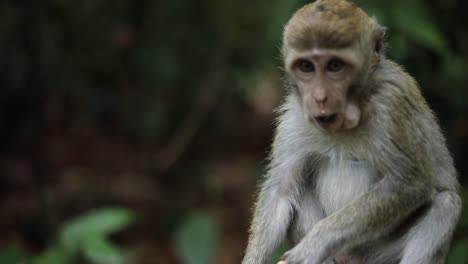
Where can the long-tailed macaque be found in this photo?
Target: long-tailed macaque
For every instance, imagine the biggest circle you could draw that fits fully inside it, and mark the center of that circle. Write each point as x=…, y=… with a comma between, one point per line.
x=359, y=170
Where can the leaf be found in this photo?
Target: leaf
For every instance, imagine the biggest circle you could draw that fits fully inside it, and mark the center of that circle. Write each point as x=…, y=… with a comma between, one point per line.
x=415, y=20
x=196, y=239
x=99, y=250
x=13, y=255
x=377, y=9
x=279, y=252
x=99, y=222
x=399, y=47
x=53, y=255
x=464, y=214
x=459, y=254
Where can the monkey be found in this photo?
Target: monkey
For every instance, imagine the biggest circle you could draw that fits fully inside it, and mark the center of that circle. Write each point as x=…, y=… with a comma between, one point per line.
x=359, y=171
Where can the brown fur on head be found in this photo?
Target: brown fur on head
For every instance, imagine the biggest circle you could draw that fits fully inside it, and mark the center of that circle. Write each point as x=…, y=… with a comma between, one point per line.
x=327, y=24
x=321, y=32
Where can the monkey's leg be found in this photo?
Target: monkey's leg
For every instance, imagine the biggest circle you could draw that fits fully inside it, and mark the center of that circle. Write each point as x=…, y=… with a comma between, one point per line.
x=428, y=241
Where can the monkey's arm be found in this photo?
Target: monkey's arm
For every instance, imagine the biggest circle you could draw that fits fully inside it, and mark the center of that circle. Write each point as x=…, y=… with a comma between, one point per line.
x=274, y=209
x=269, y=226
x=276, y=199
x=368, y=217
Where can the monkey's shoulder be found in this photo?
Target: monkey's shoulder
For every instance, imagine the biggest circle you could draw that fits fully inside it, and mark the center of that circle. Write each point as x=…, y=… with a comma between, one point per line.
x=394, y=86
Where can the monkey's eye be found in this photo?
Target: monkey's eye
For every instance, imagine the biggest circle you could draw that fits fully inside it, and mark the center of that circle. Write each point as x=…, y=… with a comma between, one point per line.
x=306, y=66
x=335, y=65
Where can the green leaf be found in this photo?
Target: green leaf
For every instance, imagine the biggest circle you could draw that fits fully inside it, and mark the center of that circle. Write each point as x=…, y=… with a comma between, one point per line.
x=13, y=255
x=279, y=252
x=99, y=222
x=53, y=255
x=459, y=254
x=375, y=8
x=196, y=239
x=99, y=250
x=415, y=20
x=399, y=48
x=464, y=214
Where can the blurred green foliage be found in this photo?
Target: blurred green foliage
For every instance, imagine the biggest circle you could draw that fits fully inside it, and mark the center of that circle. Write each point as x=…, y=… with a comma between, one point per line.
x=132, y=64
x=412, y=20
x=136, y=67
x=459, y=253
x=196, y=239
x=85, y=236
x=13, y=255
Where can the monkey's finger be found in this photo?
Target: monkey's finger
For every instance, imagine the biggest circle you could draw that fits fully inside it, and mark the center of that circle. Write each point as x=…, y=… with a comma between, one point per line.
x=282, y=262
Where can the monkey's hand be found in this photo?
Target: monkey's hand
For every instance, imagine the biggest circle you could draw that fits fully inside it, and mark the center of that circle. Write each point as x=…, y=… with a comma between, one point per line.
x=294, y=256
x=284, y=261
x=302, y=256
x=328, y=261
x=314, y=248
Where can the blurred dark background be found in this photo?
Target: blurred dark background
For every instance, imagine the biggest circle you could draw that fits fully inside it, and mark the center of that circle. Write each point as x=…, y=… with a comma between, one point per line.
x=135, y=131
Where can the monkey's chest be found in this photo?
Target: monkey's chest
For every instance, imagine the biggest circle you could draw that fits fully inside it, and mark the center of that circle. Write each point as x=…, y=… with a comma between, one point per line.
x=340, y=182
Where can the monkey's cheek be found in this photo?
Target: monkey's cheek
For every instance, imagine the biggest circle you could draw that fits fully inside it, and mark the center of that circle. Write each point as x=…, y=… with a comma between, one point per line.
x=352, y=116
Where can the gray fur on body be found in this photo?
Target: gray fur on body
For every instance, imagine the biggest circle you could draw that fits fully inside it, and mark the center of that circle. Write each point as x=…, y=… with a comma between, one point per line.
x=384, y=192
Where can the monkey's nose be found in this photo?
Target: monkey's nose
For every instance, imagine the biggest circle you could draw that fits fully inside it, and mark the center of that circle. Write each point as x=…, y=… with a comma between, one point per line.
x=320, y=99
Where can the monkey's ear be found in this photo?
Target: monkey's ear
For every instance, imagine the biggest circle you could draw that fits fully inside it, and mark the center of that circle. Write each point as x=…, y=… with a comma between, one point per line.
x=378, y=39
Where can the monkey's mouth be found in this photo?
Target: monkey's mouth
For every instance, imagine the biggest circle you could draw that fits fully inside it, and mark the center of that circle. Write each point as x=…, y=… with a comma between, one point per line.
x=326, y=119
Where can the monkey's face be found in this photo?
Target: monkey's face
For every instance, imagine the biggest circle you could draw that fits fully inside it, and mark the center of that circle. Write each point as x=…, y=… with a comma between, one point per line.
x=328, y=47
x=323, y=79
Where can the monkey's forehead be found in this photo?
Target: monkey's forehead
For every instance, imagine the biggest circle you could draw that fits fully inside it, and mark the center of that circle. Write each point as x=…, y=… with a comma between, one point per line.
x=326, y=23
